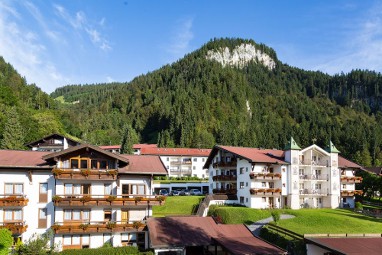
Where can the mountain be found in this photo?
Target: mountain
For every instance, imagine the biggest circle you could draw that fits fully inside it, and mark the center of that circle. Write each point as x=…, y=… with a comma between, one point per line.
x=26, y=112
x=232, y=92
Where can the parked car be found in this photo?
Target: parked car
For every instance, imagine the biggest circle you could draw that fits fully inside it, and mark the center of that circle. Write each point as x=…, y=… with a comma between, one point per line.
x=184, y=192
x=163, y=192
x=174, y=192
x=195, y=192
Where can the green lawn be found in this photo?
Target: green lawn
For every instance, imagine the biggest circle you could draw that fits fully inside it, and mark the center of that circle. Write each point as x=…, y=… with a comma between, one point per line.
x=308, y=221
x=177, y=205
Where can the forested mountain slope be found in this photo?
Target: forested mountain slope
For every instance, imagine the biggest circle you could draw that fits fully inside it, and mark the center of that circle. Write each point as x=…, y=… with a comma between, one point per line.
x=26, y=113
x=220, y=94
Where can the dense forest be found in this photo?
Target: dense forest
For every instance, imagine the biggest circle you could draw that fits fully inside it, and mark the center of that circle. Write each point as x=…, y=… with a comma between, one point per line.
x=196, y=102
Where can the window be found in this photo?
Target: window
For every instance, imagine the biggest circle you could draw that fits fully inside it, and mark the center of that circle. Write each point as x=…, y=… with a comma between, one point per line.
x=128, y=238
x=246, y=199
x=246, y=169
x=241, y=200
x=194, y=168
x=241, y=170
x=108, y=189
x=84, y=163
x=94, y=164
x=168, y=159
x=43, y=194
x=107, y=238
x=76, y=215
x=242, y=185
x=203, y=159
x=13, y=188
x=195, y=159
x=263, y=184
x=42, y=218
x=246, y=184
x=343, y=186
x=74, y=163
x=77, y=189
x=13, y=215
x=107, y=215
x=103, y=164
x=134, y=189
x=82, y=241
x=264, y=199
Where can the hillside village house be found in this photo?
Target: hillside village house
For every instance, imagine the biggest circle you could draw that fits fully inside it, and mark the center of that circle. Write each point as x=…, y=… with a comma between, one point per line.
x=88, y=196
x=53, y=143
x=297, y=178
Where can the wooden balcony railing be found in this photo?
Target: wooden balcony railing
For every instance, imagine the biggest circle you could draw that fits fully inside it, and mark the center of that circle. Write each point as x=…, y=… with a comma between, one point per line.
x=265, y=176
x=314, y=177
x=225, y=191
x=350, y=193
x=225, y=164
x=13, y=200
x=265, y=191
x=351, y=179
x=16, y=227
x=105, y=200
x=69, y=174
x=96, y=227
x=224, y=178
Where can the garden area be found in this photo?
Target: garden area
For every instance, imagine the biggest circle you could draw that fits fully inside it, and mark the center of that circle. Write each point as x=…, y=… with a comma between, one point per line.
x=177, y=205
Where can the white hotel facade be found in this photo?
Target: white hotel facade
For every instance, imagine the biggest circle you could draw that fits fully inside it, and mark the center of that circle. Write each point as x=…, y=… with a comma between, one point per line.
x=86, y=195
x=297, y=178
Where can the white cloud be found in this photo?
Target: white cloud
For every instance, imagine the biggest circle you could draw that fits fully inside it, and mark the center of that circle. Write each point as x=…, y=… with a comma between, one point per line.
x=181, y=41
x=109, y=79
x=361, y=48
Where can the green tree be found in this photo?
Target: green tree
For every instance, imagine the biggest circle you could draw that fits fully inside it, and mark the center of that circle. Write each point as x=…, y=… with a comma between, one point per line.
x=13, y=135
x=37, y=245
x=6, y=241
x=129, y=138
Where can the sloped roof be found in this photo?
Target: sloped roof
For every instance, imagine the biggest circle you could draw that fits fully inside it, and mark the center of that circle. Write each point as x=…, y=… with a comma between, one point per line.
x=135, y=146
x=271, y=156
x=376, y=169
x=175, y=152
x=143, y=164
x=292, y=145
x=349, y=245
x=345, y=163
x=26, y=159
x=182, y=231
x=83, y=146
x=49, y=136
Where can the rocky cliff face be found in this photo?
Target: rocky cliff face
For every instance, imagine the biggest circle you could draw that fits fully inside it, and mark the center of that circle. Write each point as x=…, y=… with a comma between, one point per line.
x=240, y=56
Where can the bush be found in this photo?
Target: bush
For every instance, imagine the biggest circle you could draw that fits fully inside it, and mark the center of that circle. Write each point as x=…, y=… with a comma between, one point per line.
x=276, y=216
x=6, y=241
x=358, y=206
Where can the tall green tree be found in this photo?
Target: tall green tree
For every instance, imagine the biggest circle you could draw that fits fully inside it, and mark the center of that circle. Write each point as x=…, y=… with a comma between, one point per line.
x=13, y=135
x=6, y=241
x=129, y=138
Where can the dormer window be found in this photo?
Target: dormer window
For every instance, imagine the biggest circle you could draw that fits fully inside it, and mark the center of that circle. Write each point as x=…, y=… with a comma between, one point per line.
x=74, y=163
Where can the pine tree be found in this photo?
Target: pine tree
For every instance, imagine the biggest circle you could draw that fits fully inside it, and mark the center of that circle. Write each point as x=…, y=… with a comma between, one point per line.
x=13, y=135
x=130, y=137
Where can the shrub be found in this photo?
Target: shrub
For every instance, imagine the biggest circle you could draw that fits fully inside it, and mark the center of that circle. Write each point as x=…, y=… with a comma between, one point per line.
x=105, y=250
x=110, y=198
x=85, y=198
x=6, y=241
x=56, y=198
x=276, y=216
x=358, y=206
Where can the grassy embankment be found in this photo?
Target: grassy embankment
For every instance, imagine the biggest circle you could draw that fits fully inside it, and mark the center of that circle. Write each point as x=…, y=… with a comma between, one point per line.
x=177, y=205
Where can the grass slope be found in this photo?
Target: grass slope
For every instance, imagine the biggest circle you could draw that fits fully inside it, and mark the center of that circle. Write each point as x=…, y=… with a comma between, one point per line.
x=307, y=221
x=177, y=205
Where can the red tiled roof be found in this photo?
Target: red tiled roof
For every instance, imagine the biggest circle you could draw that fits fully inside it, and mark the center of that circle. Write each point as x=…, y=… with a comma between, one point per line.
x=350, y=245
x=110, y=147
x=184, y=231
x=176, y=152
x=143, y=164
x=18, y=158
x=345, y=163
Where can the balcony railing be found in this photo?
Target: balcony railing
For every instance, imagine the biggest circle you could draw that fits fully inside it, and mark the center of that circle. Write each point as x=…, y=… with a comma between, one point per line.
x=225, y=191
x=313, y=192
x=71, y=227
x=350, y=193
x=314, y=163
x=224, y=178
x=106, y=200
x=225, y=164
x=351, y=179
x=16, y=227
x=265, y=191
x=314, y=177
x=69, y=174
x=265, y=176
x=13, y=200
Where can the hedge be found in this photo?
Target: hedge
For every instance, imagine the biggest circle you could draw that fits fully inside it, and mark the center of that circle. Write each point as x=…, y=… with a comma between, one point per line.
x=106, y=251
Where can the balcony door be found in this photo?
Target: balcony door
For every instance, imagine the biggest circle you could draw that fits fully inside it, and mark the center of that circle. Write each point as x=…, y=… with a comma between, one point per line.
x=125, y=216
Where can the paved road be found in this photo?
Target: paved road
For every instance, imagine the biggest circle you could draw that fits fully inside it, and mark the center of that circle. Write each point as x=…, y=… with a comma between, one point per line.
x=256, y=227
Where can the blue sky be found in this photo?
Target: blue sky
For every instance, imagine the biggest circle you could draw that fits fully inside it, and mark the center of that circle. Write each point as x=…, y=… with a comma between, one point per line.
x=55, y=43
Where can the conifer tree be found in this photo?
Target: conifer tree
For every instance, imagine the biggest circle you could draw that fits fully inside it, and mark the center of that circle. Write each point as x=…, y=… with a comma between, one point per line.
x=130, y=137
x=13, y=135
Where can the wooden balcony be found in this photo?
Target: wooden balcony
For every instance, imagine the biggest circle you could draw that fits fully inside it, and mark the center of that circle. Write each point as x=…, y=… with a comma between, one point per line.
x=13, y=200
x=85, y=174
x=102, y=200
x=350, y=193
x=225, y=191
x=16, y=227
x=71, y=227
x=351, y=179
x=265, y=176
x=265, y=192
x=224, y=178
x=225, y=164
